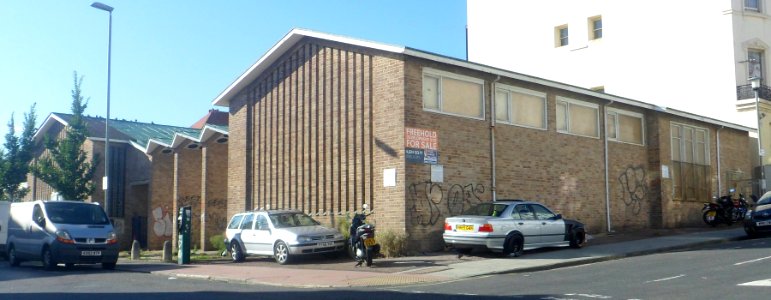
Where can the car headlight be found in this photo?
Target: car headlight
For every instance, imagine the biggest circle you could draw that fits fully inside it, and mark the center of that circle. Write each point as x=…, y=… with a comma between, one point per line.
x=303, y=239
x=64, y=237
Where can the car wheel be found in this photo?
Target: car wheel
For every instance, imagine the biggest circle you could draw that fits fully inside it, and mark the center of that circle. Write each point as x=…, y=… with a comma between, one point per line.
x=12, y=258
x=236, y=254
x=48, y=259
x=109, y=266
x=577, y=238
x=750, y=232
x=281, y=253
x=514, y=245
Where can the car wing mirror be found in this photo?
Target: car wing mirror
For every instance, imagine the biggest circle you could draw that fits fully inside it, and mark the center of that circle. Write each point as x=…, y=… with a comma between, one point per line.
x=558, y=217
x=41, y=221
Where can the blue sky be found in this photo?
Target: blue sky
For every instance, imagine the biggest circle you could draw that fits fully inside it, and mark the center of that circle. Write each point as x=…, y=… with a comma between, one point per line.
x=170, y=59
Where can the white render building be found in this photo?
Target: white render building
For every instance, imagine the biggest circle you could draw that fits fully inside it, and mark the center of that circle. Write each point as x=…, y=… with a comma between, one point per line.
x=691, y=55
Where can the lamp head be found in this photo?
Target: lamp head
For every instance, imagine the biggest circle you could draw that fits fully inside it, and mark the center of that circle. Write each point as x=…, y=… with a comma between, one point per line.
x=102, y=6
x=755, y=82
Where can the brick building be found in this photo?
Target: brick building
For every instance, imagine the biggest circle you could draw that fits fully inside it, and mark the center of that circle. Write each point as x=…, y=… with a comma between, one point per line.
x=324, y=123
x=152, y=165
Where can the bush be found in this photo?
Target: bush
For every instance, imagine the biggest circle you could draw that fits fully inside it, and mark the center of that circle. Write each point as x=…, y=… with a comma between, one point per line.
x=218, y=241
x=392, y=244
x=343, y=225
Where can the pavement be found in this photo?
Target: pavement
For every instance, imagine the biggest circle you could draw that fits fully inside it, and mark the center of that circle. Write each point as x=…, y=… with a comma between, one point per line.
x=322, y=271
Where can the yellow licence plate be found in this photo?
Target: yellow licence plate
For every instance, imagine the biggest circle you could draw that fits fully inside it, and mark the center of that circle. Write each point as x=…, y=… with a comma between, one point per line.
x=369, y=242
x=711, y=213
x=465, y=227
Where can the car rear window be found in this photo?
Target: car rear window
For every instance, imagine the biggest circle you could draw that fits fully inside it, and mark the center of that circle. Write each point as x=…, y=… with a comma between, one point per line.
x=235, y=221
x=486, y=209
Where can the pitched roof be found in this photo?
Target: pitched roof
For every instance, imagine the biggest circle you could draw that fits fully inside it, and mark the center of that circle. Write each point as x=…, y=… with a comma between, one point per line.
x=295, y=36
x=214, y=117
x=143, y=136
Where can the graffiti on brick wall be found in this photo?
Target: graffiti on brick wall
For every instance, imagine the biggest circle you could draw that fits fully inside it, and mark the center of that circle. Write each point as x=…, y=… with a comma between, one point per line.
x=215, y=218
x=431, y=201
x=634, y=185
x=162, y=224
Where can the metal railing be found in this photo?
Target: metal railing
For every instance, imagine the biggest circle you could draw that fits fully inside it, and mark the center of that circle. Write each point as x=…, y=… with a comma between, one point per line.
x=745, y=92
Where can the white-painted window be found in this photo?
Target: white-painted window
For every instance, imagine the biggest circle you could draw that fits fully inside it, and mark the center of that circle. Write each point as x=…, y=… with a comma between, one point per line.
x=755, y=63
x=453, y=94
x=625, y=126
x=752, y=5
x=518, y=106
x=595, y=26
x=561, y=36
x=578, y=117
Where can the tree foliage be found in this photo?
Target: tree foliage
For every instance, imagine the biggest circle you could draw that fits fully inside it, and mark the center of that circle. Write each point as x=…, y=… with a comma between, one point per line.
x=65, y=167
x=15, y=160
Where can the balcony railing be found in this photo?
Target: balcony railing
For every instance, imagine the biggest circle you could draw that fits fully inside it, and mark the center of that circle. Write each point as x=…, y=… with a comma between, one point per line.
x=745, y=92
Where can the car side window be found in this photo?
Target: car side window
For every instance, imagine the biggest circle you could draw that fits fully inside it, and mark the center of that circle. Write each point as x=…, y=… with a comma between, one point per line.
x=262, y=223
x=524, y=212
x=542, y=213
x=248, y=222
x=234, y=224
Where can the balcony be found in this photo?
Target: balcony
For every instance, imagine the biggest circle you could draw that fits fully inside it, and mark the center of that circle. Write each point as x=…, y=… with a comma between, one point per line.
x=745, y=92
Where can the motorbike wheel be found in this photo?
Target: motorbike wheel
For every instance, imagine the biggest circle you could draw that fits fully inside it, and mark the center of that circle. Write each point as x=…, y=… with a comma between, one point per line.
x=712, y=223
x=369, y=257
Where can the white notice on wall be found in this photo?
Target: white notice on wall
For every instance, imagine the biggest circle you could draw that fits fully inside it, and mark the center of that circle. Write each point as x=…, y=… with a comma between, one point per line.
x=437, y=173
x=664, y=171
x=389, y=177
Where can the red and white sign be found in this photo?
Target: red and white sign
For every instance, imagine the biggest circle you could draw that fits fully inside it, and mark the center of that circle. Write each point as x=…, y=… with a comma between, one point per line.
x=421, y=138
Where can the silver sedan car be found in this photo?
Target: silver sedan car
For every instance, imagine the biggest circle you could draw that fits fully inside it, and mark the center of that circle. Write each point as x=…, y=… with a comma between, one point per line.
x=511, y=226
x=280, y=234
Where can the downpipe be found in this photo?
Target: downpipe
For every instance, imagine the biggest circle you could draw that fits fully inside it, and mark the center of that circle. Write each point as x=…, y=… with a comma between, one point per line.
x=492, y=137
x=607, y=176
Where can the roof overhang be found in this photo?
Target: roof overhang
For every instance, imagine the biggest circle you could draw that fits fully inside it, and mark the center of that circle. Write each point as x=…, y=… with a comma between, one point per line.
x=296, y=35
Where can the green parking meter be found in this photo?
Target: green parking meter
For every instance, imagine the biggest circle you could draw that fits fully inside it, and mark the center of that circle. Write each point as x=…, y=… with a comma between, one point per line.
x=183, y=227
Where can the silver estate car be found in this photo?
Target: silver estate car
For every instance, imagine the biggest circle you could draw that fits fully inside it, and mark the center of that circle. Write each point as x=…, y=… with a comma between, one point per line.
x=511, y=226
x=280, y=234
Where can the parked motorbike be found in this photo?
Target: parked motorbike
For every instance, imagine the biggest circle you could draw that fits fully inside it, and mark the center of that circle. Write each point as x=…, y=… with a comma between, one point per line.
x=362, y=246
x=725, y=210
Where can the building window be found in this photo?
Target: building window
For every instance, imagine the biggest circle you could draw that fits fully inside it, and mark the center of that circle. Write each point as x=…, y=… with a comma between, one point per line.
x=595, y=24
x=561, y=35
x=752, y=5
x=690, y=163
x=578, y=117
x=755, y=63
x=625, y=127
x=518, y=106
x=453, y=94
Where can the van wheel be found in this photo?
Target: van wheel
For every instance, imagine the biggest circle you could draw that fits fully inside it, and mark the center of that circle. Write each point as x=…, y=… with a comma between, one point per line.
x=108, y=266
x=48, y=259
x=12, y=259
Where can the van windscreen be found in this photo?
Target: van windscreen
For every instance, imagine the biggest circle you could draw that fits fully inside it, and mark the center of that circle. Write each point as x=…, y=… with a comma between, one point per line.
x=76, y=213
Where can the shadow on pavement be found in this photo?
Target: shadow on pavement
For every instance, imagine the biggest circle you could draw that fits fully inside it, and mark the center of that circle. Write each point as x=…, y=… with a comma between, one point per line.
x=315, y=295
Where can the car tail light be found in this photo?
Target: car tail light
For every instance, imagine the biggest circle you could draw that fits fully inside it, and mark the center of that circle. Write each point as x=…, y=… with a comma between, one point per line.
x=486, y=228
x=447, y=226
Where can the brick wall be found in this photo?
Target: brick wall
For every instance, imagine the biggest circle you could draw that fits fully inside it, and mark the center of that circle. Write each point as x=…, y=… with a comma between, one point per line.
x=214, y=192
x=161, y=208
x=187, y=189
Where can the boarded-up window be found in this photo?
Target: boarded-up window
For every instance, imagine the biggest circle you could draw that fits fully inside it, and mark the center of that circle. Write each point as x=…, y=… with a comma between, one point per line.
x=453, y=94
x=577, y=117
x=519, y=106
x=690, y=163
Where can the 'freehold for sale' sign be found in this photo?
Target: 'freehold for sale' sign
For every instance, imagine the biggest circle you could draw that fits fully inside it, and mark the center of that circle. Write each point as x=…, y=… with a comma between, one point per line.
x=421, y=138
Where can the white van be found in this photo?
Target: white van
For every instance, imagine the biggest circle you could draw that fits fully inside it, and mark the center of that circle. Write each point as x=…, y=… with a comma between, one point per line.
x=5, y=208
x=68, y=232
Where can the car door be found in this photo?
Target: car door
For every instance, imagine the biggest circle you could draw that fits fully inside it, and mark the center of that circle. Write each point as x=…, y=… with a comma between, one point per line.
x=526, y=223
x=552, y=227
x=262, y=235
x=247, y=233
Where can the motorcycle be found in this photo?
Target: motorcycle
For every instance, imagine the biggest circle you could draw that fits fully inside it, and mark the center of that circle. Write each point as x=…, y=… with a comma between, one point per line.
x=362, y=246
x=725, y=210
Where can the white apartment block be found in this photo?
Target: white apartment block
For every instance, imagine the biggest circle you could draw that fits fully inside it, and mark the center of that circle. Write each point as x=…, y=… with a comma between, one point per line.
x=691, y=55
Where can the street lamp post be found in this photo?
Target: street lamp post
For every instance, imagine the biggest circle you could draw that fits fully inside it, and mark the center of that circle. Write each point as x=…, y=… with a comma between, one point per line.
x=755, y=81
x=105, y=179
